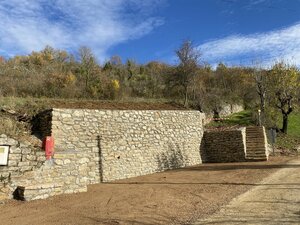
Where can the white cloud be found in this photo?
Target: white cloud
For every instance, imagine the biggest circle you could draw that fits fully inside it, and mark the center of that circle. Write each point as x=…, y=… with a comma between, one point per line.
x=28, y=25
x=277, y=45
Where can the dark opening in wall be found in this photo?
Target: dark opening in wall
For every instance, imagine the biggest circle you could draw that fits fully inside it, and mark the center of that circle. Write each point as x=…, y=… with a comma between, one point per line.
x=19, y=193
x=41, y=124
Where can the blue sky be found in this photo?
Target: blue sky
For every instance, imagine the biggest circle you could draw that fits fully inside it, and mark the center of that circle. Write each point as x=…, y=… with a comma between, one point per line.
x=236, y=32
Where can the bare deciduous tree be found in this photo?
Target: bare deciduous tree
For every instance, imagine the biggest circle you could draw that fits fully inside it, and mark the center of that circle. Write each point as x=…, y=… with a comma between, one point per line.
x=260, y=77
x=188, y=56
x=87, y=65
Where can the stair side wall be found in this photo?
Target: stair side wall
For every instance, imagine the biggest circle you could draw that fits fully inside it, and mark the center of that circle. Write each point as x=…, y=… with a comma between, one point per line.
x=223, y=146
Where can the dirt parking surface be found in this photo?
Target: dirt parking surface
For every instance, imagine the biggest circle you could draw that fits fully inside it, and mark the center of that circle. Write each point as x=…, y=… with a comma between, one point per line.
x=275, y=201
x=174, y=197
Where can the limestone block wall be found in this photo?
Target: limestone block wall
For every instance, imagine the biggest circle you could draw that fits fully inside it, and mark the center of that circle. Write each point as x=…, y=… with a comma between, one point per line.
x=127, y=143
x=92, y=146
x=230, y=108
x=27, y=167
x=226, y=110
x=22, y=158
x=66, y=174
x=224, y=146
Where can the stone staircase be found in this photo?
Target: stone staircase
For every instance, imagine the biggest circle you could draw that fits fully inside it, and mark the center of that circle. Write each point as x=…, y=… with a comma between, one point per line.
x=256, y=143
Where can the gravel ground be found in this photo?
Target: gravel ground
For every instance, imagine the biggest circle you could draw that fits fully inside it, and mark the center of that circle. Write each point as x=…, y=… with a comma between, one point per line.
x=275, y=201
x=180, y=196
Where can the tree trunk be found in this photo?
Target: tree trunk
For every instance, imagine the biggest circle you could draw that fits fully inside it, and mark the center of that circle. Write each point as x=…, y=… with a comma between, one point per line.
x=262, y=107
x=216, y=114
x=186, y=97
x=284, y=123
x=262, y=104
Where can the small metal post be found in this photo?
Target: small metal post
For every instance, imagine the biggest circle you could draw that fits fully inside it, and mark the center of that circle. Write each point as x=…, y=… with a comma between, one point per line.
x=259, y=118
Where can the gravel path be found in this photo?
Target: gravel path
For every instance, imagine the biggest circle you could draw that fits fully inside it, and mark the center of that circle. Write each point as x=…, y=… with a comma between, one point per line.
x=177, y=197
x=276, y=200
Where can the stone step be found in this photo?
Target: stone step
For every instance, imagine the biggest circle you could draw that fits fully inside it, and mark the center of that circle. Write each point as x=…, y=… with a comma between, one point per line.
x=261, y=144
x=255, y=147
x=259, y=136
x=255, y=142
x=254, y=131
x=254, y=128
x=256, y=155
x=256, y=159
x=255, y=152
x=254, y=134
x=249, y=132
x=255, y=137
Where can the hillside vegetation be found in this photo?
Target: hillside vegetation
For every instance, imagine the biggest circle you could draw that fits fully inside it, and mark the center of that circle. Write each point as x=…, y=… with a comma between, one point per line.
x=240, y=119
x=16, y=114
x=56, y=78
x=285, y=142
x=291, y=140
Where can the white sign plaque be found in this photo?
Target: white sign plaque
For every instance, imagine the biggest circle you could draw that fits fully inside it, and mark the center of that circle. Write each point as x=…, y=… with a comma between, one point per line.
x=3, y=155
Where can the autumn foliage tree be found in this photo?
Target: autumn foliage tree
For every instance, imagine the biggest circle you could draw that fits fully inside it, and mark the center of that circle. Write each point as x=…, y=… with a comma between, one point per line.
x=284, y=81
x=59, y=74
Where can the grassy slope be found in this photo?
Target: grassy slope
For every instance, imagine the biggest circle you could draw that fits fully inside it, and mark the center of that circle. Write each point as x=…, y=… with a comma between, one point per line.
x=244, y=118
x=292, y=139
x=294, y=125
x=10, y=125
x=31, y=106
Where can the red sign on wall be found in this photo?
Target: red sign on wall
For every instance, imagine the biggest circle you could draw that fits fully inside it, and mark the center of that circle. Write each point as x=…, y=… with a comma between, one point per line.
x=48, y=145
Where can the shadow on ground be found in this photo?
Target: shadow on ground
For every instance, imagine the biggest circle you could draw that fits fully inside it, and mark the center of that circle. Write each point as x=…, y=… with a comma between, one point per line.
x=240, y=166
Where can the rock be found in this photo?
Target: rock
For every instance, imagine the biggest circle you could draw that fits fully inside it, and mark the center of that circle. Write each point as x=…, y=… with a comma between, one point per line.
x=3, y=136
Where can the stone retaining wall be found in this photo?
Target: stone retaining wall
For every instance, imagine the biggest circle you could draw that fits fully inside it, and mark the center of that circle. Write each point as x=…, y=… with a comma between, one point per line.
x=27, y=167
x=93, y=146
x=130, y=143
x=224, y=146
x=226, y=110
x=68, y=173
x=230, y=109
x=21, y=159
